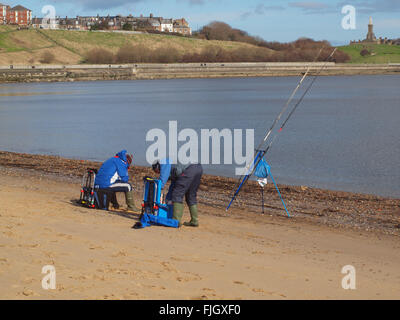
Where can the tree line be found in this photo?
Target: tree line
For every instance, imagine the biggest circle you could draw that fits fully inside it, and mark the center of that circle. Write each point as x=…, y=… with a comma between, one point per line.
x=303, y=49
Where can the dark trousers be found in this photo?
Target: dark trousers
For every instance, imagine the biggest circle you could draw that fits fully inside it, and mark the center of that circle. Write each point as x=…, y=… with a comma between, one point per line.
x=187, y=184
x=111, y=192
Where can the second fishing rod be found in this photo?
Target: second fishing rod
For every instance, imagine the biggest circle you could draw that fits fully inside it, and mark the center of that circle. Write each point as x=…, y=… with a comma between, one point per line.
x=260, y=151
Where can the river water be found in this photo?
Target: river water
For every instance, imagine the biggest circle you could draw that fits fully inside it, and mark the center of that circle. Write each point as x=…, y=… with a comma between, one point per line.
x=344, y=136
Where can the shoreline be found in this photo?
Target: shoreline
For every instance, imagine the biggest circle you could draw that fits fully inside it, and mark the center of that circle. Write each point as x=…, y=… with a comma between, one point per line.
x=71, y=73
x=337, y=209
x=146, y=169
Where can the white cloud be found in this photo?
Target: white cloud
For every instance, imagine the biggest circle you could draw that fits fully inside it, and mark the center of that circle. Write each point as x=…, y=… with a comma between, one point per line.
x=309, y=5
x=375, y=6
x=315, y=7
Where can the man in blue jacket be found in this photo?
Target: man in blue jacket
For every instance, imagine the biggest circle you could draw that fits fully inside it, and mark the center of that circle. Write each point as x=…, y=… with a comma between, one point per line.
x=113, y=175
x=185, y=181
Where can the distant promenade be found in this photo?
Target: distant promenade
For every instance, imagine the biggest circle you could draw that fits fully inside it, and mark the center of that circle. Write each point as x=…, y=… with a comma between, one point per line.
x=39, y=73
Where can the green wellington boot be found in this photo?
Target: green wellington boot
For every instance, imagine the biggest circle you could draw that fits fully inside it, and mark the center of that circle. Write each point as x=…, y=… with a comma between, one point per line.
x=131, y=203
x=178, y=212
x=194, y=221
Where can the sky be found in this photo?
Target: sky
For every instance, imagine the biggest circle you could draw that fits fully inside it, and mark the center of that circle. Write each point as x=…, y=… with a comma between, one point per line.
x=273, y=20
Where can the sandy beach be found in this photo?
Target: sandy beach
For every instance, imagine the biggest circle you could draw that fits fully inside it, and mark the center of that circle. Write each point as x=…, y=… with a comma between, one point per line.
x=237, y=255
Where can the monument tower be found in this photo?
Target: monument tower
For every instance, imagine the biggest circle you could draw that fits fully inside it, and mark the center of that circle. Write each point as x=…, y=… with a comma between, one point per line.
x=370, y=36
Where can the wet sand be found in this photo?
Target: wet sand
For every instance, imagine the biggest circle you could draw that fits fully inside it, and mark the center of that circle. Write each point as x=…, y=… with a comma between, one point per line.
x=237, y=255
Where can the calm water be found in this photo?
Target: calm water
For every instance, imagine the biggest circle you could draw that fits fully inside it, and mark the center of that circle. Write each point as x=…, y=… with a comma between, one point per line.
x=344, y=136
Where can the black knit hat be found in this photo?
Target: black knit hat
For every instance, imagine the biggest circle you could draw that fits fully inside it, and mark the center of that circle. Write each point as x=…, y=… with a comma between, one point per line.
x=156, y=166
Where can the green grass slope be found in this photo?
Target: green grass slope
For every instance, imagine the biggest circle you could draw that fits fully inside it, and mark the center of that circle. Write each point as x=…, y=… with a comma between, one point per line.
x=381, y=53
x=71, y=47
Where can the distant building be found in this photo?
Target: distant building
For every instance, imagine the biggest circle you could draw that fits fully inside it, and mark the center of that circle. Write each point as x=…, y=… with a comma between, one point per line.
x=370, y=35
x=23, y=16
x=20, y=15
x=182, y=26
x=158, y=24
x=37, y=22
x=167, y=25
x=155, y=23
x=67, y=23
x=85, y=23
x=4, y=13
x=371, y=38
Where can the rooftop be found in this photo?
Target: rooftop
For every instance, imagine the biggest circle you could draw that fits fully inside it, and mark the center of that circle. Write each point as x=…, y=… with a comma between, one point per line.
x=19, y=8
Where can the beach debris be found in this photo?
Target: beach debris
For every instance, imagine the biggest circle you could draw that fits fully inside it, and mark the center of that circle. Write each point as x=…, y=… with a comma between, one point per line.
x=28, y=292
x=343, y=209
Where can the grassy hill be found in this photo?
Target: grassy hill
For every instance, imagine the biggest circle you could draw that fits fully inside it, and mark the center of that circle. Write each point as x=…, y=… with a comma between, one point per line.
x=379, y=53
x=25, y=47
x=28, y=47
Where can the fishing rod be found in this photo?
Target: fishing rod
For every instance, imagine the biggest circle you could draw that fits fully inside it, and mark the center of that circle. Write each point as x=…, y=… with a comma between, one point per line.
x=243, y=178
x=288, y=102
x=300, y=100
x=261, y=152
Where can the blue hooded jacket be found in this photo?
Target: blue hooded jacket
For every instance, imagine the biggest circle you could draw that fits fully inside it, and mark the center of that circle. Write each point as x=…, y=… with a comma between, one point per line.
x=114, y=170
x=165, y=174
x=170, y=171
x=165, y=171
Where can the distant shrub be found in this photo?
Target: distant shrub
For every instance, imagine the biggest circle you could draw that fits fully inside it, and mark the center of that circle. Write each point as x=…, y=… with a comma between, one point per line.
x=102, y=25
x=365, y=52
x=341, y=57
x=217, y=54
x=133, y=54
x=165, y=55
x=95, y=26
x=100, y=56
x=127, y=27
x=218, y=30
x=301, y=50
x=47, y=57
x=125, y=55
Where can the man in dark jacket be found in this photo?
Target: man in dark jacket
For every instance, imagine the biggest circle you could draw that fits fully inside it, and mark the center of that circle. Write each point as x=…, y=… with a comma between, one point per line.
x=185, y=181
x=113, y=175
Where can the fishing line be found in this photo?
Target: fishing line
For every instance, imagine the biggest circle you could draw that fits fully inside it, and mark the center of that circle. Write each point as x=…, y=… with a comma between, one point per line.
x=261, y=153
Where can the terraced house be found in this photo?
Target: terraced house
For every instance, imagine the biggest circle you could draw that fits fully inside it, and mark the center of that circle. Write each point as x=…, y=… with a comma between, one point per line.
x=182, y=26
x=117, y=23
x=22, y=16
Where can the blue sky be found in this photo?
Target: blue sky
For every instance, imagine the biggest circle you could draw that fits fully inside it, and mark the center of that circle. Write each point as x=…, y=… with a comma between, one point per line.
x=282, y=20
